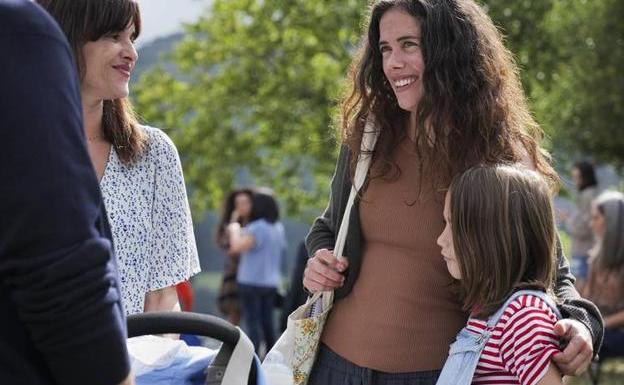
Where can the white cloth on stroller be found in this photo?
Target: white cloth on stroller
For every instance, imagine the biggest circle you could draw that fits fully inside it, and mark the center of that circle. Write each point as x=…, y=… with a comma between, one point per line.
x=163, y=361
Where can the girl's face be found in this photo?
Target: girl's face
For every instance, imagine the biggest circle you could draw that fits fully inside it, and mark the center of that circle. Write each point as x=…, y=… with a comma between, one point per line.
x=598, y=222
x=403, y=63
x=242, y=206
x=109, y=62
x=445, y=241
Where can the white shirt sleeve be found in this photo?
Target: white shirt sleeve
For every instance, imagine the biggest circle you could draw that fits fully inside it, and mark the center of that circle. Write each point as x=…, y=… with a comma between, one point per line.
x=173, y=250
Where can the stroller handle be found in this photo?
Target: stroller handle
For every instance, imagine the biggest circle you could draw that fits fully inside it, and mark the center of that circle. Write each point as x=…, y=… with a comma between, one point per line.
x=198, y=324
x=182, y=323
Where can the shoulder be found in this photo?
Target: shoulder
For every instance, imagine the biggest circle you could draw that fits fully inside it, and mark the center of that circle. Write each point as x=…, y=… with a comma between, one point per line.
x=589, y=194
x=157, y=138
x=22, y=18
x=159, y=146
x=257, y=224
x=260, y=228
x=526, y=313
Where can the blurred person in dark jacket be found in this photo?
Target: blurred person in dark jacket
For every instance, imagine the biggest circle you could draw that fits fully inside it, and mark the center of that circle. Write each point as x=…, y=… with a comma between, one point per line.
x=61, y=318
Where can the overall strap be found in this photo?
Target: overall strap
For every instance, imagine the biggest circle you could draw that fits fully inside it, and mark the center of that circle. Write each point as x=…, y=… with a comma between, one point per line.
x=493, y=320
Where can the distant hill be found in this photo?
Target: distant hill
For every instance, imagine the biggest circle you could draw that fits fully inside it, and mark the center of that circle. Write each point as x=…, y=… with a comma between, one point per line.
x=154, y=53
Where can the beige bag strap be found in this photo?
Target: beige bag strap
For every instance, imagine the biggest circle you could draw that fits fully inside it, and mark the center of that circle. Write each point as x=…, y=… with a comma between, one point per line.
x=369, y=138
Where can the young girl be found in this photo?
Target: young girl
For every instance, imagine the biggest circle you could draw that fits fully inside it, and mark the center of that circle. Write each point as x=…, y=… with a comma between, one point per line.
x=605, y=286
x=499, y=238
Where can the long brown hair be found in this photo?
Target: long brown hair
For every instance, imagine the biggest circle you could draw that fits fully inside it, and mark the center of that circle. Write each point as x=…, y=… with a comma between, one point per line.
x=473, y=103
x=88, y=20
x=610, y=249
x=226, y=213
x=504, y=234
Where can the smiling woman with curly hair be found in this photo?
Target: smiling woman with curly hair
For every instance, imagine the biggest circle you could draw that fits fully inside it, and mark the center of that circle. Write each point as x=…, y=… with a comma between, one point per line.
x=435, y=82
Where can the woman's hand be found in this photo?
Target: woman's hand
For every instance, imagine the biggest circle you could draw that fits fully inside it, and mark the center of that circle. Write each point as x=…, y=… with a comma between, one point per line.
x=577, y=355
x=324, y=272
x=234, y=217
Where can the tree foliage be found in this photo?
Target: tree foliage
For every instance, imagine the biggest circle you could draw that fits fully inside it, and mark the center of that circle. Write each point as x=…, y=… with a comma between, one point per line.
x=571, y=53
x=259, y=80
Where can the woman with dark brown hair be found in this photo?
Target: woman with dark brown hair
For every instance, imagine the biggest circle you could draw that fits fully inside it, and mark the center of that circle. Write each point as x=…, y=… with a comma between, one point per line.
x=138, y=167
x=236, y=208
x=443, y=94
x=605, y=284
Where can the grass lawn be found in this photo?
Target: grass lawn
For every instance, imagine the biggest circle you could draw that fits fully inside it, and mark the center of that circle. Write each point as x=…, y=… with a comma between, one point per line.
x=612, y=374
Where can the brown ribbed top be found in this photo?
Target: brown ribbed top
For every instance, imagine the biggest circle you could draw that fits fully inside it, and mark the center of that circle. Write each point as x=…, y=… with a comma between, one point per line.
x=401, y=315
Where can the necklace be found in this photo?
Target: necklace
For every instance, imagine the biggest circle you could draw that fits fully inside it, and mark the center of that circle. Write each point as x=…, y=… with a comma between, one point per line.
x=94, y=137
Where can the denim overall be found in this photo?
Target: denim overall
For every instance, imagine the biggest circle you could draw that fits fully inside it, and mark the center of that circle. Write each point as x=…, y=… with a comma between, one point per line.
x=464, y=353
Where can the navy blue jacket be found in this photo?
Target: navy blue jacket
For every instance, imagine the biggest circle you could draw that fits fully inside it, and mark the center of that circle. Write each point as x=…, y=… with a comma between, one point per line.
x=61, y=319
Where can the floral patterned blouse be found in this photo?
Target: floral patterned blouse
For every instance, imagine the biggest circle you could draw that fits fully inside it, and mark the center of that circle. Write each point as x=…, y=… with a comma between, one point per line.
x=150, y=220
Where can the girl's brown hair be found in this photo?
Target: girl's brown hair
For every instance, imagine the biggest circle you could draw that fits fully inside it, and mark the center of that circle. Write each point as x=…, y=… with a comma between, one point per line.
x=473, y=107
x=504, y=233
x=88, y=20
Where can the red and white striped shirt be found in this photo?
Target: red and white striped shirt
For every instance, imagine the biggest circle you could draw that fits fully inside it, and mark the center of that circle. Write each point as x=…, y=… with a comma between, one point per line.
x=521, y=345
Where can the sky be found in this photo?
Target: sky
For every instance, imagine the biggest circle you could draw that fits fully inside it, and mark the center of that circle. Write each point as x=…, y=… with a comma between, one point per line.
x=163, y=17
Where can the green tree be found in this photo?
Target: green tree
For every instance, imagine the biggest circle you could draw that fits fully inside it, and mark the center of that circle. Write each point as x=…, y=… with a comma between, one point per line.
x=258, y=84
x=571, y=53
x=584, y=102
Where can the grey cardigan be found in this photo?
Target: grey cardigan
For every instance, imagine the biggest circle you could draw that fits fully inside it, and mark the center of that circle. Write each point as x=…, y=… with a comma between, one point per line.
x=324, y=230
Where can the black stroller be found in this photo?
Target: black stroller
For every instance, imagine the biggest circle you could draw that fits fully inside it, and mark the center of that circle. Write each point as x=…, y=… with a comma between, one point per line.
x=234, y=364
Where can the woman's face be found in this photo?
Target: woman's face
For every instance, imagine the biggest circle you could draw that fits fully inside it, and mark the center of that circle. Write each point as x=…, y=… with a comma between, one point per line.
x=445, y=241
x=242, y=206
x=403, y=63
x=598, y=222
x=109, y=62
x=577, y=177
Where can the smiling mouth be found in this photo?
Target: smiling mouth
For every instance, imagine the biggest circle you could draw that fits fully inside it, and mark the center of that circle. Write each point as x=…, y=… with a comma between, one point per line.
x=124, y=69
x=402, y=83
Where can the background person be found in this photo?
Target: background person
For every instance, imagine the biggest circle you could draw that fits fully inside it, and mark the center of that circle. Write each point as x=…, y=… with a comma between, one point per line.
x=138, y=167
x=236, y=208
x=605, y=286
x=261, y=245
x=584, y=178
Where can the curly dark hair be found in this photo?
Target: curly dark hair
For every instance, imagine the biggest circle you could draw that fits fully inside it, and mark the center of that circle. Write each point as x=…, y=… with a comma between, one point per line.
x=473, y=109
x=226, y=213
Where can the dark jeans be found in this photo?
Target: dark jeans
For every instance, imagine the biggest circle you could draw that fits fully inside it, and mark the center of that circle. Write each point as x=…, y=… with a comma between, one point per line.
x=613, y=344
x=258, y=303
x=331, y=369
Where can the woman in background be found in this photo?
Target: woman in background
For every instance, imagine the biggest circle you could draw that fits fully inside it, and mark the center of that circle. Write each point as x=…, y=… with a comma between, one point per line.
x=236, y=208
x=605, y=285
x=261, y=245
x=584, y=178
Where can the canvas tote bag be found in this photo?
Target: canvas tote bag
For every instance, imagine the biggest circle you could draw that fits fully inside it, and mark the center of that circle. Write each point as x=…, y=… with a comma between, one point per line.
x=290, y=360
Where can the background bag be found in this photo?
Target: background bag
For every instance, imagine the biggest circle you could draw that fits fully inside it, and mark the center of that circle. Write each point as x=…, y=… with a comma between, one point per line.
x=290, y=360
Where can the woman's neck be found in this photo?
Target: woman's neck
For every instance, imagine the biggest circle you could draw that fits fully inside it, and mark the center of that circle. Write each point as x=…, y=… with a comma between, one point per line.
x=411, y=126
x=92, y=111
